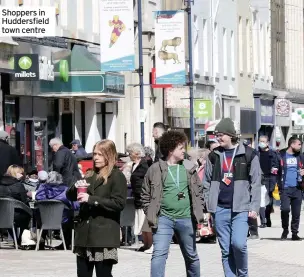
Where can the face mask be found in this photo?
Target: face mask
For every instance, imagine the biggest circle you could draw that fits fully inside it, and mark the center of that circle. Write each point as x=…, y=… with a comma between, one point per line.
x=262, y=145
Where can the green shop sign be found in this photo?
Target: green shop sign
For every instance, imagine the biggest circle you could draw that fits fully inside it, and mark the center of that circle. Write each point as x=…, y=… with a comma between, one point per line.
x=202, y=108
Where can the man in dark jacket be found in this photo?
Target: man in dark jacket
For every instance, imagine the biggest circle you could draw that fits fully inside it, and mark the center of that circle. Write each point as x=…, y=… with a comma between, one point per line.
x=232, y=193
x=172, y=202
x=269, y=161
x=158, y=130
x=78, y=150
x=291, y=177
x=9, y=155
x=64, y=162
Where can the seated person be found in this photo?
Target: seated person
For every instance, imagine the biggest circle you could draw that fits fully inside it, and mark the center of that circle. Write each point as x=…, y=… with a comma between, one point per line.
x=11, y=186
x=54, y=189
x=31, y=181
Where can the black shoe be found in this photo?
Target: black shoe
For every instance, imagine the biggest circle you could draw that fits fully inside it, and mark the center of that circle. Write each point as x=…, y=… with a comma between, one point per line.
x=263, y=225
x=284, y=235
x=295, y=237
x=268, y=224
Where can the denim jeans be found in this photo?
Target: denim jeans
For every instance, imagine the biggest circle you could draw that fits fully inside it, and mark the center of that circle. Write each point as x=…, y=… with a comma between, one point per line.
x=232, y=230
x=162, y=236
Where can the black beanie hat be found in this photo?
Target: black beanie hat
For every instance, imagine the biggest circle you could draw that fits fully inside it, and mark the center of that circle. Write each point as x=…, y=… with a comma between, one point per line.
x=226, y=126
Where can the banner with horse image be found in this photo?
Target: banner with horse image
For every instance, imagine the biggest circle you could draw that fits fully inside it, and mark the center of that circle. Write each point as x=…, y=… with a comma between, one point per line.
x=117, y=51
x=170, y=47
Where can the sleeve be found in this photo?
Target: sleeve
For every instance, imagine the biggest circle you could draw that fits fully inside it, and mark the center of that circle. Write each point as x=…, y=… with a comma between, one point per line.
x=71, y=193
x=59, y=162
x=20, y=194
x=118, y=198
x=137, y=186
x=40, y=194
x=207, y=181
x=146, y=191
x=255, y=177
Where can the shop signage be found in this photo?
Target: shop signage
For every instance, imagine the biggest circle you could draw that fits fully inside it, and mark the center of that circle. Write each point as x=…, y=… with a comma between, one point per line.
x=298, y=117
x=26, y=67
x=46, y=69
x=177, y=98
x=202, y=108
x=64, y=70
x=267, y=114
x=282, y=107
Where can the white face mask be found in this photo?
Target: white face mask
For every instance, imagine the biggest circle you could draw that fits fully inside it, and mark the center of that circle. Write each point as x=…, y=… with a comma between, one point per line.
x=262, y=145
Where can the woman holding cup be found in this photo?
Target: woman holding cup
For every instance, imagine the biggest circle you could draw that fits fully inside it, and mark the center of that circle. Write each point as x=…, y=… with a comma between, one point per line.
x=102, y=195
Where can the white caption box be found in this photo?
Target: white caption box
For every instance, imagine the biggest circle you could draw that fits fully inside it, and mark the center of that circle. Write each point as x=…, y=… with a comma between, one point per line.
x=27, y=21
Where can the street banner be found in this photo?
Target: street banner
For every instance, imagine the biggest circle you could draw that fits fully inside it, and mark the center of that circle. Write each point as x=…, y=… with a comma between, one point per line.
x=117, y=35
x=170, y=47
x=202, y=108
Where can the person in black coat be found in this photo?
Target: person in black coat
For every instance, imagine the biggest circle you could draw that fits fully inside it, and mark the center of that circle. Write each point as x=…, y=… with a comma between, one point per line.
x=11, y=186
x=97, y=233
x=8, y=154
x=64, y=162
x=138, y=172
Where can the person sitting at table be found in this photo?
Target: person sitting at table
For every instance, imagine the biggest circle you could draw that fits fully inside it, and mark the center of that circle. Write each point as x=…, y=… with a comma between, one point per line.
x=11, y=186
x=31, y=180
x=55, y=189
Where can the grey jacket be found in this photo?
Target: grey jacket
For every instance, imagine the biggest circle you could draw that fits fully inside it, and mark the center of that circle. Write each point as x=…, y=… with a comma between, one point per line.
x=152, y=192
x=247, y=189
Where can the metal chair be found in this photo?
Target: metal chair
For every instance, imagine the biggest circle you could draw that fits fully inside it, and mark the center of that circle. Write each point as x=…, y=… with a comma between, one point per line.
x=7, y=210
x=127, y=216
x=51, y=217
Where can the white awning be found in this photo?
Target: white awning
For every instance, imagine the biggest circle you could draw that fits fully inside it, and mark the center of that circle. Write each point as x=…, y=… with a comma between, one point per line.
x=8, y=40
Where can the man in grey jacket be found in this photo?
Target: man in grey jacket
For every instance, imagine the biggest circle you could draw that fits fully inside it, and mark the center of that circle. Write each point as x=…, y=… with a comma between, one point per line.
x=232, y=193
x=172, y=201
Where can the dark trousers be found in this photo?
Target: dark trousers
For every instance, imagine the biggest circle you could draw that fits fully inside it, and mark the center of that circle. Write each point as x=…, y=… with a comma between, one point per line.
x=268, y=182
x=291, y=197
x=85, y=268
x=22, y=221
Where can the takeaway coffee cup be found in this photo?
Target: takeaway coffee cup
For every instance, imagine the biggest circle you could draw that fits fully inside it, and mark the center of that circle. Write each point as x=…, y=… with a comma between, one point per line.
x=82, y=186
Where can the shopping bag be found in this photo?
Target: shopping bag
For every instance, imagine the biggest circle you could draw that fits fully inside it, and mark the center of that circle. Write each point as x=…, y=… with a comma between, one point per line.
x=275, y=193
x=264, y=197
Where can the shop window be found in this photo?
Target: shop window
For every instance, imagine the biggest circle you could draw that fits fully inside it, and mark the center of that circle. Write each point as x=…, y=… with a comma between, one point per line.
x=10, y=119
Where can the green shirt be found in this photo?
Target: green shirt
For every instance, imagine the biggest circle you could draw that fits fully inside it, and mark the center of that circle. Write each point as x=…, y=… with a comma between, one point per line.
x=170, y=205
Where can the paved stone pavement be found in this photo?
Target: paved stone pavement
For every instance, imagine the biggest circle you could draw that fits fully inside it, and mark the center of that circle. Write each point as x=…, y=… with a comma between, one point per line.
x=268, y=257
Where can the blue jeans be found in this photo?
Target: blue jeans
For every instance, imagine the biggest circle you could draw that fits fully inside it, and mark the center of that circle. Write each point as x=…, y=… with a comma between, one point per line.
x=232, y=230
x=162, y=236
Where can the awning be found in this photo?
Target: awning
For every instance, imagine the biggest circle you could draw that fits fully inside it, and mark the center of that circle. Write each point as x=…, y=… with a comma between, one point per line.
x=8, y=40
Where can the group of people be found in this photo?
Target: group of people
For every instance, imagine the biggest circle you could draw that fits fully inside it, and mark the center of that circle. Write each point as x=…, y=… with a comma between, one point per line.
x=227, y=182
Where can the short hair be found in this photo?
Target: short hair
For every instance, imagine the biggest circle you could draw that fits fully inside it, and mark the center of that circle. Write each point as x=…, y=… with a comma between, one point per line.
x=159, y=125
x=149, y=151
x=55, y=141
x=264, y=136
x=13, y=170
x=209, y=143
x=136, y=148
x=170, y=140
x=293, y=140
x=54, y=178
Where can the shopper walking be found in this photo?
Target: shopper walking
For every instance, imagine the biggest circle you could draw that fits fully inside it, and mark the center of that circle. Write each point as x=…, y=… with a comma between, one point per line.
x=98, y=230
x=172, y=202
x=290, y=181
x=232, y=191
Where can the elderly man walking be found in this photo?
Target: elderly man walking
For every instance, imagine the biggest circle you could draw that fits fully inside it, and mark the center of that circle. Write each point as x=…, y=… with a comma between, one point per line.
x=64, y=162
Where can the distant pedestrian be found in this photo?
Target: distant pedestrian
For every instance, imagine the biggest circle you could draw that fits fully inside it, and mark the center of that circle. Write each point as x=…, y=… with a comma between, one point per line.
x=78, y=150
x=291, y=177
x=158, y=130
x=64, y=162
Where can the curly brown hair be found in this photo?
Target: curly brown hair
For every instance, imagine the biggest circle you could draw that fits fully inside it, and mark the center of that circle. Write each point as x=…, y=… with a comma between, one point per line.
x=170, y=140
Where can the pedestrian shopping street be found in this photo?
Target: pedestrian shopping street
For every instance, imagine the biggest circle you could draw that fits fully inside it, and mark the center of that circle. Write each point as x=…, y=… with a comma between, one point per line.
x=267, y=257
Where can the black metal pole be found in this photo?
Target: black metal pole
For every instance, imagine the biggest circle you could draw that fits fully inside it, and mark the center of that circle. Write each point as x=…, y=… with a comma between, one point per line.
x=192, y=139
x=140, y=70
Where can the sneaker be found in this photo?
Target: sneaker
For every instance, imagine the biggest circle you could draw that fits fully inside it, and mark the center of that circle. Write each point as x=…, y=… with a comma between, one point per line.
x=284, y=235
x=149, y=251
x=295, y=237
x=141, y=249
x=263, y=225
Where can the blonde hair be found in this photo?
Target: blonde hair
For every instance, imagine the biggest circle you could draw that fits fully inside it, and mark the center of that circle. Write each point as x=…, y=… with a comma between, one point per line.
x=13, y=171
x=108, y=150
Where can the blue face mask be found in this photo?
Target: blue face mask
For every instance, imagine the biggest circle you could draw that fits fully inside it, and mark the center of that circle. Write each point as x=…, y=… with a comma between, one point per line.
x=262, y=145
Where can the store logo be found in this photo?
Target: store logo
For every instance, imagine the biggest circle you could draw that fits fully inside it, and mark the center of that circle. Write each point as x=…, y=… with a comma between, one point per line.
x=25, y=63
x=26, y=67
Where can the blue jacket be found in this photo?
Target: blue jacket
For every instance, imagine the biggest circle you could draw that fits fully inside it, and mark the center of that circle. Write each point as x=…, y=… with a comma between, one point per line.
x=57, y=192
x=283, y=167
